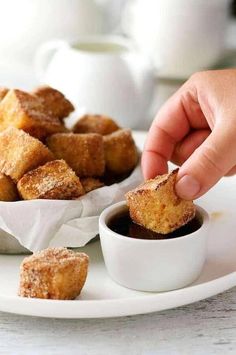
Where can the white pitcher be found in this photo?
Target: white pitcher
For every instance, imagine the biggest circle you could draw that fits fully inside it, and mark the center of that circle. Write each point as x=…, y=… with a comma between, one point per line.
x=105, y=75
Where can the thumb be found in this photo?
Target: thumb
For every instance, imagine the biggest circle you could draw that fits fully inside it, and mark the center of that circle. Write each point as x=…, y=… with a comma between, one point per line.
x=208, y=163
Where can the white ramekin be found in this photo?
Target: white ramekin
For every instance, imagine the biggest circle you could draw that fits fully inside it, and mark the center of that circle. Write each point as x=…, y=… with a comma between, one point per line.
x=153, y=265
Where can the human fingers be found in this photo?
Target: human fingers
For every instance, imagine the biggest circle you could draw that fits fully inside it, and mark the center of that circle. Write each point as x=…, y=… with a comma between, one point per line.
x=173, y=122
x=188, y=145
x=231, y=172
x=214, y=158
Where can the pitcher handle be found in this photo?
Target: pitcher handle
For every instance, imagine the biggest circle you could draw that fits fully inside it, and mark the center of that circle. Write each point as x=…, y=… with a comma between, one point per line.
x=43, y=55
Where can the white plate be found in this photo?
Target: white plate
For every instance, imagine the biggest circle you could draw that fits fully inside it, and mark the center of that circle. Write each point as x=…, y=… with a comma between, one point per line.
x=101, y=297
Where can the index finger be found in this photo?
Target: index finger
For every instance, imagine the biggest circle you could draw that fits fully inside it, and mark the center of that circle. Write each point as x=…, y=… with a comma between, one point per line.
x=172, y=123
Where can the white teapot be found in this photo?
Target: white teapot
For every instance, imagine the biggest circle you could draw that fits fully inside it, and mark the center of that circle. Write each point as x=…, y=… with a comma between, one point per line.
x=105, y=75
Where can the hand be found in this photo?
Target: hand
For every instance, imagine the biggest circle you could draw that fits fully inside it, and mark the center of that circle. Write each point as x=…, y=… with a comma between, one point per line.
x=196, y=129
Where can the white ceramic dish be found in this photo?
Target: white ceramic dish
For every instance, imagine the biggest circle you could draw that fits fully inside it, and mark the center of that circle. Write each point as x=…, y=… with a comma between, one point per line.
x=86, y=70
x=153, y=265
x=101, y=297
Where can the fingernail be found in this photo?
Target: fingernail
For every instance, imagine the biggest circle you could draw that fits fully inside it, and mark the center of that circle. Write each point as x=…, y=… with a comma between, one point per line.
x=187, y=187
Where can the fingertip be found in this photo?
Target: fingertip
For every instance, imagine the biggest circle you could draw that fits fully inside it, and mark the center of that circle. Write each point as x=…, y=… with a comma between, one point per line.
x=146, y=166
x=153, y=165
x=187, y=187
x=204, y=168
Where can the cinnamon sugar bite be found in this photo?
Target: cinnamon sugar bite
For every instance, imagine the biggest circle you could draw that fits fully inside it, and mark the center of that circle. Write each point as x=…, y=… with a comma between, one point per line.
x=8, y=190
x=53, y=273
x=90, y=184
x=54, y=101
x=20, y=153
x=100, y=124
x=3, y=92
x=121, y=154
x=84, y=153
x=54, y=180
x=155, y=205
x=25, y=111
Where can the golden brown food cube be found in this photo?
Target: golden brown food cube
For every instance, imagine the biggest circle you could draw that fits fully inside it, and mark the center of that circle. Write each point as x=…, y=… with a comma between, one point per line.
x=84, y=153
x=19, y=153
x=121, y=154
x=54, y=101
x=3, y=92
x=90, y=184
x=25, y=111
x=96, y=124
x=54, y=180
x=53, y=273
x=155, y=205
x=8, y=190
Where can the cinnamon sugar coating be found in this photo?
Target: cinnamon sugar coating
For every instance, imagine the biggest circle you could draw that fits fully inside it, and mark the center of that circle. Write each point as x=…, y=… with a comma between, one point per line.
x=8, y=190
x=53, y=273
x=3, y=92
x=54, y=180
x=121, y=154
x=84, y=153
x=155, y=205
x=54, y=101
x=26, y=111
x=96, y=124
x=19, y=153
x=90, y=184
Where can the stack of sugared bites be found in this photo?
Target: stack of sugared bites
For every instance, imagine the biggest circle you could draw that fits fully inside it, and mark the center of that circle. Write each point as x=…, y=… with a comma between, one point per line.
x=41, y=159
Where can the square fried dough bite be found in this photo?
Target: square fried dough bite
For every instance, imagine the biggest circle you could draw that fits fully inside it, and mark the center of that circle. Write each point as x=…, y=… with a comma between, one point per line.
x=155, y=205
x=90, y=184
x=121, y=154
x=3, y=92
x=19, y=153
x=96, y=124
x=54, y=101
x=54, y=180
x=84, y=153
x=8, y=190
x=25, y=111
x=53, y=273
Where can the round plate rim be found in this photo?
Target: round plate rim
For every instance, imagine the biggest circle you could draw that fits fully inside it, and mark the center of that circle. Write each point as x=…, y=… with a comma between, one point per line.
x=117, y=307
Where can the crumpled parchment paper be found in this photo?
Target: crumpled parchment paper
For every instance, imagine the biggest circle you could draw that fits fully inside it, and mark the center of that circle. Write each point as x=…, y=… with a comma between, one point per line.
x=37, y=224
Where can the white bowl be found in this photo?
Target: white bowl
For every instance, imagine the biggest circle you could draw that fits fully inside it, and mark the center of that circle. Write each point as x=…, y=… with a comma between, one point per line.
x=153, y=265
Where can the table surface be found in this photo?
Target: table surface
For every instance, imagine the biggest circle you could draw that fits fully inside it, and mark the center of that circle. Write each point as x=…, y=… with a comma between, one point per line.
x=206, y=327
